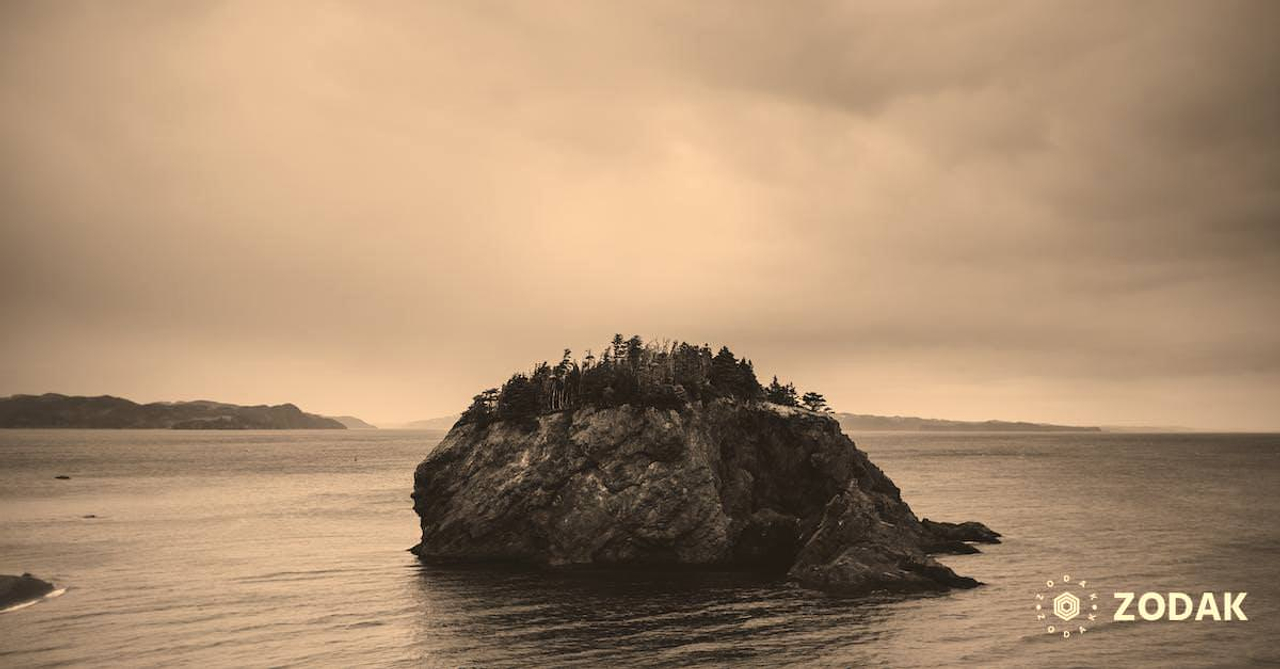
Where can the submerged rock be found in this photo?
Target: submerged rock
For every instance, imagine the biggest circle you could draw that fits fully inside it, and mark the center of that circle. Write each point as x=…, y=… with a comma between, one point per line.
x=18, y=589
x=970, y=531
x=720, y=484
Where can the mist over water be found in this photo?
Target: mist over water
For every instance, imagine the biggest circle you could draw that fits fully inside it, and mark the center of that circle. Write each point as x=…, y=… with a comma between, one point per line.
x=287, y=548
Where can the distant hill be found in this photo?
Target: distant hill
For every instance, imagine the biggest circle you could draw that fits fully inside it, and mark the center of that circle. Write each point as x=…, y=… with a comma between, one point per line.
x=863, y=422
x=440, y=423
x=354, y=423
x=52, y=410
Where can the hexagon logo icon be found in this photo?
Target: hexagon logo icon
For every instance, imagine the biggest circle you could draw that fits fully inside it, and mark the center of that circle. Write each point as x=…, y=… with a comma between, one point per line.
x=1066, y=606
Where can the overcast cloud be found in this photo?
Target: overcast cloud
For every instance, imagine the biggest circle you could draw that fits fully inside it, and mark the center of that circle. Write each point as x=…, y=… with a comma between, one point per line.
x=1063, y=212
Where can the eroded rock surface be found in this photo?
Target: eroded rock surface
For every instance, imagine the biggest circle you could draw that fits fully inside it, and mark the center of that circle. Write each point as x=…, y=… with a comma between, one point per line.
x=724, y=484
x=15, y=590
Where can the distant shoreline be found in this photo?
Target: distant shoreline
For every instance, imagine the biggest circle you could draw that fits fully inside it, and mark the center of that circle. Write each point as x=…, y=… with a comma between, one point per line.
x=875, y=423
x=56, y=411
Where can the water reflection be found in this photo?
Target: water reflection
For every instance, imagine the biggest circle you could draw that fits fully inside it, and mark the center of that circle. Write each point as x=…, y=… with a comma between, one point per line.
x=516, y=616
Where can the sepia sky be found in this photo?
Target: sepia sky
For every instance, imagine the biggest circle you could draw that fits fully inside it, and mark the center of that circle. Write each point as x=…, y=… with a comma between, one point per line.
x=1061, y=212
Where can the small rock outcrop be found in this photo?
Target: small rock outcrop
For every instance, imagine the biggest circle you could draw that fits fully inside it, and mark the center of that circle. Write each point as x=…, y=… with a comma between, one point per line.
x=723, y=483
x=18, y=589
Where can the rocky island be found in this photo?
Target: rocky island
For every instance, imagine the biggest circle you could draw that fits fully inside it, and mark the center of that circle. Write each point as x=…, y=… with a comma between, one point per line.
x=663, y=455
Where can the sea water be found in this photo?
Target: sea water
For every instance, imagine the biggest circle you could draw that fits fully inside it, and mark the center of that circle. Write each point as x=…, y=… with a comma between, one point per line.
x=288, y=549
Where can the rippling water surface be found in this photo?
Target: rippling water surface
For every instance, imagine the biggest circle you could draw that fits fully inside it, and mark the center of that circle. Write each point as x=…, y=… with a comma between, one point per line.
x=287, y=548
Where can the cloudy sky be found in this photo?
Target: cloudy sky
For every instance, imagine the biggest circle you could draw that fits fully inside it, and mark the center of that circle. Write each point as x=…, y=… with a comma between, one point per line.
x=1060, y=212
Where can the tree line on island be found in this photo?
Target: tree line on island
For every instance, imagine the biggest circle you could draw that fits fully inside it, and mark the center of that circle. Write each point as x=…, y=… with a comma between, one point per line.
x=662, y=374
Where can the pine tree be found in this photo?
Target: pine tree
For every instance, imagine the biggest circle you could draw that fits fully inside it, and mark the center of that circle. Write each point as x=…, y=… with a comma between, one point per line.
x=724, y=372
x=618, y=347
x=781, y=394
x=482, y=408
x=518, y=399
x=815, y=401
x=629, y=371
x=746, y=385
x=634, y=351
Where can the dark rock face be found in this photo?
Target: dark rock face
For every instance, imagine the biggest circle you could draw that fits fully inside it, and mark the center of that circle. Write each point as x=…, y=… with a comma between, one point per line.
x=719, y=485
x=19, y=589
x=970, y=531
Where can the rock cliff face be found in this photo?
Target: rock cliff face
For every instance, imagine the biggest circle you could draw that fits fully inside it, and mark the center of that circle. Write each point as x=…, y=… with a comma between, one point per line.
x=723, y=484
